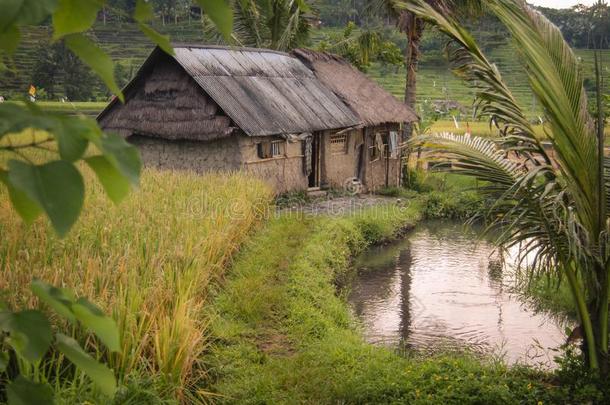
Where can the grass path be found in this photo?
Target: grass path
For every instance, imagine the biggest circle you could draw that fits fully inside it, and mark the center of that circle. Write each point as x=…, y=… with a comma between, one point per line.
x=281, y=332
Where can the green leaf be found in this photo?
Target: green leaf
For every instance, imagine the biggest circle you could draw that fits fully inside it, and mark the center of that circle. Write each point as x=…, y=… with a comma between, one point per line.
x=59, y=299
x=15, y=118
x=27, y=209
x=35, y=11
x=9, y=39
x=10, y=11
x=30, y=333
x=161, y=40
x=220, y=13
x=122, y=155
x=75, y=16
x=101, y=375
x=24, y=12
x=70, y=138
x=144, y=11
x=94, y=57
x=56, y=186
x=22, y=391
x=95, y=320
x=114, y=183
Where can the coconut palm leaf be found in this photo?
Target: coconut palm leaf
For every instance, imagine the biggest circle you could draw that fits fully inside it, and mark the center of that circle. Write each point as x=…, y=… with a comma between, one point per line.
x=296, y=28
x=493, y=98
x=248, y=29
x=557, y=214
x=475, y=156
x=527, y=210
x=555, y=76
x=273, y=24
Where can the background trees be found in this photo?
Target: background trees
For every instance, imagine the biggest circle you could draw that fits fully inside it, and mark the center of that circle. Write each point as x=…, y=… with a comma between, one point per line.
x=54, y=62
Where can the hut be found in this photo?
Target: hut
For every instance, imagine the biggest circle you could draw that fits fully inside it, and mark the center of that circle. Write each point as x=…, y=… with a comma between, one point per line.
x=209, y=108
x=374, y=143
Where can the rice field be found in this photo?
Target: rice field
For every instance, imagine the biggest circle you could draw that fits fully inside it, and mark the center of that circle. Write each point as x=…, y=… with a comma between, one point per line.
x=148, y=262
x=483, y=129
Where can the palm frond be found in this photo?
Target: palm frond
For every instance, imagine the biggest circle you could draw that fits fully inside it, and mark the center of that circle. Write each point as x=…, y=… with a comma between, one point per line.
x=493, y=97
x=607, y=182
x=474, y=156
x=527, y=210
x=555, y=76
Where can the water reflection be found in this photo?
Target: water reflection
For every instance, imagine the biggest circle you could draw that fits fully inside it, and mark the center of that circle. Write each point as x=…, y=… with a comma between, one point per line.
x=437, y=289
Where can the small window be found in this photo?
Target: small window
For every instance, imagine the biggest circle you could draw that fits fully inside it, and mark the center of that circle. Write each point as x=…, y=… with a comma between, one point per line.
x=267, y=149
x=338, y=143
x=276, y=148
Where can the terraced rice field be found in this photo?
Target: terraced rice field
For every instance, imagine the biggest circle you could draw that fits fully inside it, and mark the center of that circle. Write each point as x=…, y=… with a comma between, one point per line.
x=129, y=47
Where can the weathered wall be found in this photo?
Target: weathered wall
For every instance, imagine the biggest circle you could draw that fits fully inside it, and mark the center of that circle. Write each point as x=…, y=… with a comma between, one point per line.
x=375, y=171
x=219, y=155
x=283, y=173
x=339, y=166
x=239, y=152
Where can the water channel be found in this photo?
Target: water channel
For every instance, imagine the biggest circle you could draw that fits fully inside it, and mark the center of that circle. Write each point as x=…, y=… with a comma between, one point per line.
x=442, y=288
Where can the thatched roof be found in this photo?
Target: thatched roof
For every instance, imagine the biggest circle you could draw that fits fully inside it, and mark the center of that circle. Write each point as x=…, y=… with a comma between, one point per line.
x=166, y=103
x=263, y=92
x=369, y=101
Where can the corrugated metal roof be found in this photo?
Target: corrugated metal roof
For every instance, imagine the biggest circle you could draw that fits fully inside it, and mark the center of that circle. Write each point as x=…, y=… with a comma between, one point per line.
x=264, y=92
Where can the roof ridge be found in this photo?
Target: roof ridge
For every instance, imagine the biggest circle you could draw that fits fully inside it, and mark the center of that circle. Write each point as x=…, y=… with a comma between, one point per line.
x=229, y=48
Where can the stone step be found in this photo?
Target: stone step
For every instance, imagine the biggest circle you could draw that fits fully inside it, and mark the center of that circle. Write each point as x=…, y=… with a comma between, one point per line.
x=316, y=193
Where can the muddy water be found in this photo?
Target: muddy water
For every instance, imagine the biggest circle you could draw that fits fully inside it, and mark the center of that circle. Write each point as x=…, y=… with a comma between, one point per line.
x=443, y=288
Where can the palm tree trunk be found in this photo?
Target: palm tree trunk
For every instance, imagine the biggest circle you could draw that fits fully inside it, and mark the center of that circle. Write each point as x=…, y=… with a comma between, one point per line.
x=413, y=27
x=602, y=270
x=589, y=349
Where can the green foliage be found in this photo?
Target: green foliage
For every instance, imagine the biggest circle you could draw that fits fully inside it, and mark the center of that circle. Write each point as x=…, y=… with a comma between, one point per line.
x=101, y=375
x=29, y=335
x=279, y=25
x=29, y=331
x=94, y=57
x=22, y=391
x=362, y=47
x=56, y=187
x=220, y=13
x=282, y=333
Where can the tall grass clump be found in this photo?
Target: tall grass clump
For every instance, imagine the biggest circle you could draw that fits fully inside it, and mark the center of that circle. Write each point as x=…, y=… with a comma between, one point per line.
x=148, y=262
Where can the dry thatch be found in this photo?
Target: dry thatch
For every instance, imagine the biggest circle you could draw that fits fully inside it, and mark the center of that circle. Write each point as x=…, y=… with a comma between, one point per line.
x=369, y=101
x=170, y=105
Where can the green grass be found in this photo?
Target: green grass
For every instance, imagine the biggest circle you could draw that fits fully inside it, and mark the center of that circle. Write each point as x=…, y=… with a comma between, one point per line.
x=89, y=108
x=283, y=334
